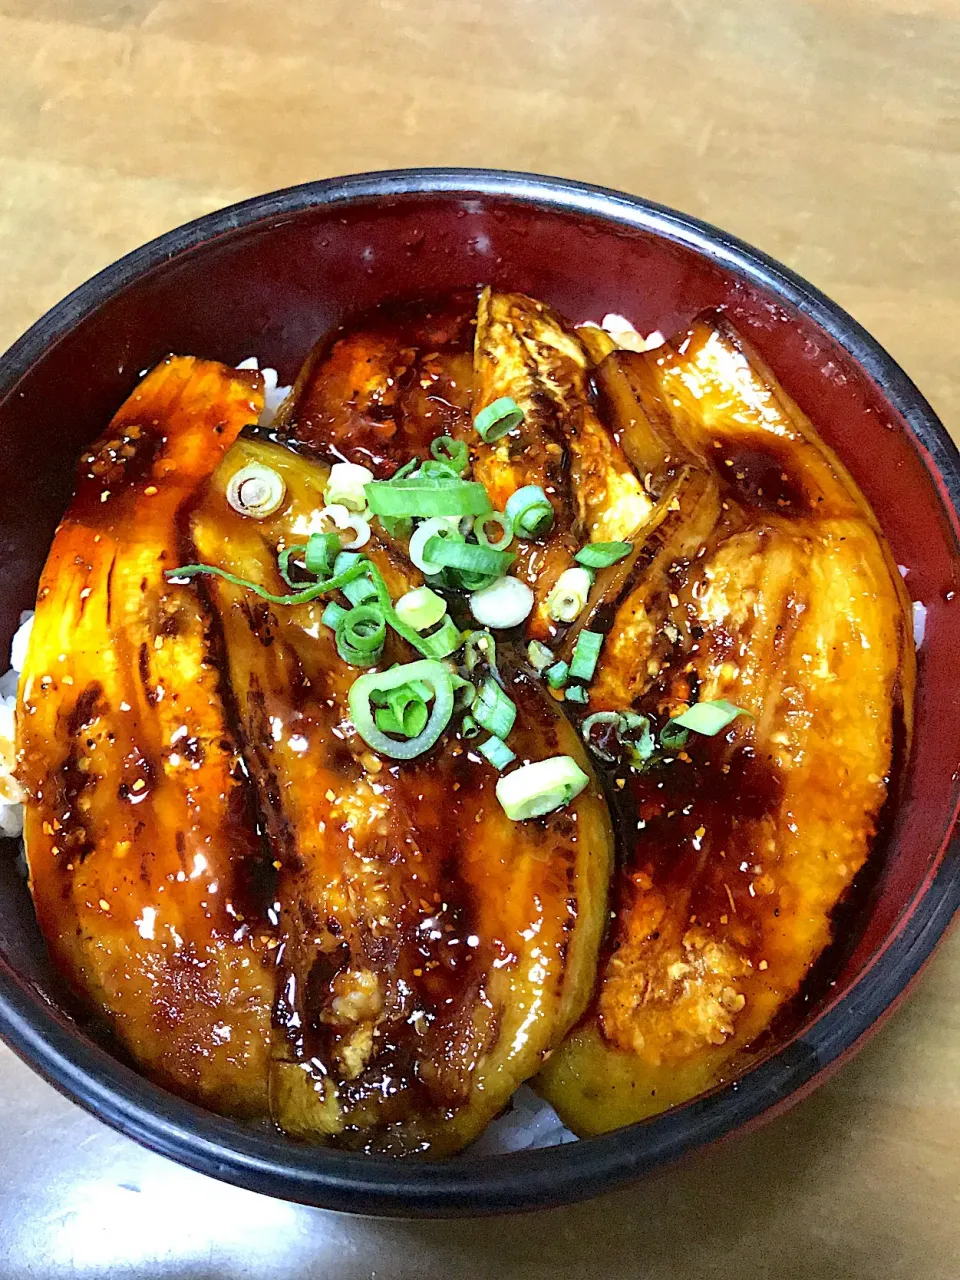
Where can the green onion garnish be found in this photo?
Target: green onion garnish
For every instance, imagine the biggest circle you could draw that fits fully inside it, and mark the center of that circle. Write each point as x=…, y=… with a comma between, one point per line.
x=321, y=554
x=421, y=608
x=493, y=710
x=312, y=592
x=478, y=647
x=437, y=678
x=556, y=676
x=502, y=522
x=396, y=526
x=539, y=656
x=585, y=653
x=469, y=728
x=360, y=590
x=530, y=510
x=361, y=634
x=709, y=718
x=539, y=788
x=497, y=419
x=332, y=615
x=441, y=643
x=497, y=752
x=422, y=498
x=598, y=555
x=602, y=720
x=576, y=693
x=453, y=452
x=406, y=711
x=673, y=736
x=637, y=737
x=629, y=731
x=346, y=559
x=462, y=555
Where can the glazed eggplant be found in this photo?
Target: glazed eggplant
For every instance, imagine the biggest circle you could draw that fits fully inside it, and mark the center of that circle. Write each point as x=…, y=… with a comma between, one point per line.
x=524, y=352
x=783, y=600
x=432, y=952
x=140, y=836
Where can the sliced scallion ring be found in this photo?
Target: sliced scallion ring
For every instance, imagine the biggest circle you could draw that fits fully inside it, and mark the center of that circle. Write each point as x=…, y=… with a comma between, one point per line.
x=453, y=452
x=598, y=555
x=673, y=736
x=478, y=647
x=424, y=498
x=497, y=419
x=505, y=603
x=530, y=510
x=586, y=651
x=541, y=787
x=501, y=522
x=606, y=722
x=320, y=554
x=539, y=656
x=332, y=615
x=436, y=527
x=441, y=643
x=568, y=597
x=345, y=485
x=576, y=693
x=360, y=590
x=361, y=634
x=709, y=718
x=493, y=709
x=463, y=555
x=421, y=608
x=304, y=596
x=497, y=752
x=434, y=675
x=556, y=676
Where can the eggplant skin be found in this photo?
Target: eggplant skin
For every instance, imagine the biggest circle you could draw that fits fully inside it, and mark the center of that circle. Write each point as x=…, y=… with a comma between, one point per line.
x=432, y=953
x=140, y=839
x=786, y=602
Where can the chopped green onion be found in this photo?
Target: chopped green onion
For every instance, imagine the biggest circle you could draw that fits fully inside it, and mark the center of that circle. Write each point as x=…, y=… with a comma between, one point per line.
x=332, y=615
x=283, y=564
x=462, y=555
x=603, y=720
x=493, y=709
x=405, y=713
x=637, y=737
x=361, y=634
x=539, y=656
x=345, y=486
x=469, y=728
x=497, y=752
x=415, y=497
x=360, y=591
x=583, y=663
x=346, y=559
x=463, y=691
x=576, y=693
x=435, y=471
x=709, y=718
x=497, y=419
x=441, y=643
x=407, y=469
x=421, y=608
x=434, y=675
x=506, y=602
x=673, y=736
x=478, y=647
x=568, y=597
x=539, y=788
x=312, y=592
x=598, y=555
x=321, y=554
x=397, y=526
x=530, y=510
x=506, y=530
x=556, y=676
x=436, y=527
x=453, y=452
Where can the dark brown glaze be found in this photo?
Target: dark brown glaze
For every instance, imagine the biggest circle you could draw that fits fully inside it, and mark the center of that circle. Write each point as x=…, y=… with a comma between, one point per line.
x=378, y=394
x=431, y=950
x=141, y=841
x=777, y=595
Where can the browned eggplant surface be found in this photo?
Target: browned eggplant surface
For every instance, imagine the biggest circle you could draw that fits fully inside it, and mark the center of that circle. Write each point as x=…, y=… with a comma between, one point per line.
x=278, y=919
x=141, y=841
x=432, y=952
x=764, y=582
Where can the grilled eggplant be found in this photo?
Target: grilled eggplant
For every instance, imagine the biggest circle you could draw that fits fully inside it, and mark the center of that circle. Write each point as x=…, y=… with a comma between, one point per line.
x=141, y=842
x=432, y=952
x=782, y=599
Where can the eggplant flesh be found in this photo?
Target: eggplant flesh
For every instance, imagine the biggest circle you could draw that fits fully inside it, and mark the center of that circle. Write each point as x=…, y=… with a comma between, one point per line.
x=432, y=953
x=786, y=602
x=140, y=834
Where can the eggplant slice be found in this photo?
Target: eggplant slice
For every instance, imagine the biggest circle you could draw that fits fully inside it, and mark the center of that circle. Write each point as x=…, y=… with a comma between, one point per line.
x=432, y=952
x=783, y=599
x=141, y=840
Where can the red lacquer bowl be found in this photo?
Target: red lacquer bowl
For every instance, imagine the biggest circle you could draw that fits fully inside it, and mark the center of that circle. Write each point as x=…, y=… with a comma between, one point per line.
x=267, y=277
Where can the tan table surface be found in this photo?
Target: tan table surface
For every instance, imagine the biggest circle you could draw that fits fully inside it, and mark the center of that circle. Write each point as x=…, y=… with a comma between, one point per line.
x=827, y=133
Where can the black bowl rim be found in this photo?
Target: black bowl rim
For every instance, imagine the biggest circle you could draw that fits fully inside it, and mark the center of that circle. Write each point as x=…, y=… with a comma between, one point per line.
x=526, y=1180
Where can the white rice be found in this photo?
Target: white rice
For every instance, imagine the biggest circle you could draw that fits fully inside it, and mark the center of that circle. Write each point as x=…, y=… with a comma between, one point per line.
x=273, y=395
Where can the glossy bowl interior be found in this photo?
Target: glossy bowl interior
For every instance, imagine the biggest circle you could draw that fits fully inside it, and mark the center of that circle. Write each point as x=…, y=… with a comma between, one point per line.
x=266, y=278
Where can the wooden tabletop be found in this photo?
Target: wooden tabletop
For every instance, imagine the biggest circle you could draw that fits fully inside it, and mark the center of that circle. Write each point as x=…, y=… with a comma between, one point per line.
x=825, y=131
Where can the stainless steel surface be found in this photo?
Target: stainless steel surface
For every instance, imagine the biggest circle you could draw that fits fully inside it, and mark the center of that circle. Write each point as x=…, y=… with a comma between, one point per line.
x=78, y=1200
